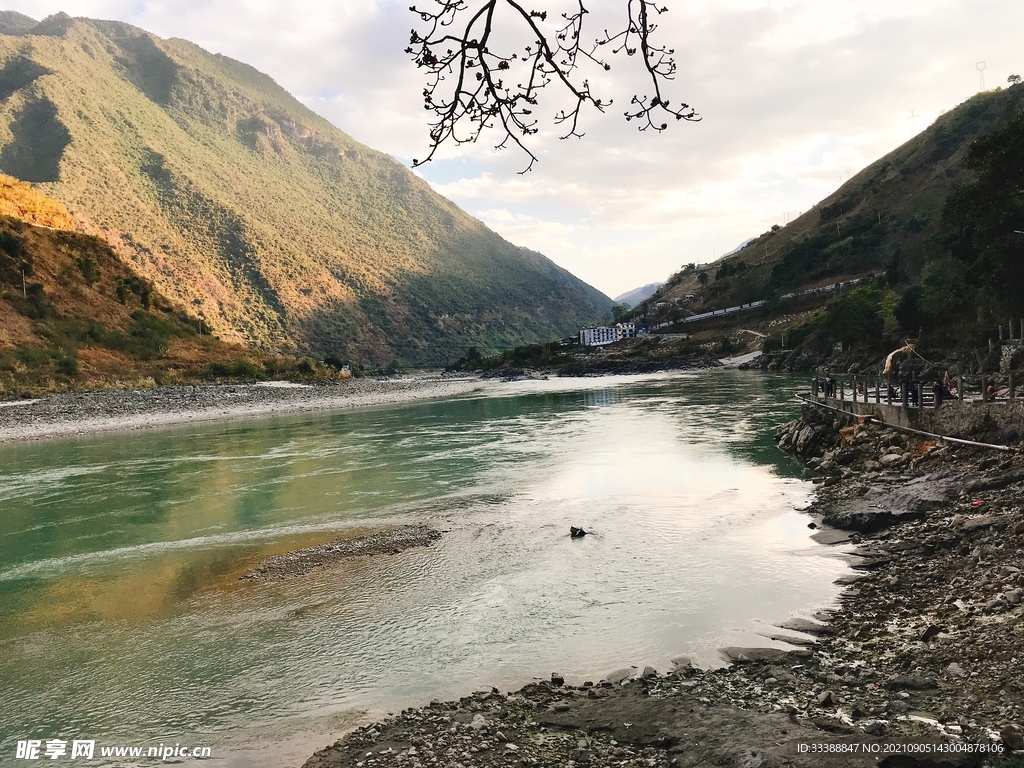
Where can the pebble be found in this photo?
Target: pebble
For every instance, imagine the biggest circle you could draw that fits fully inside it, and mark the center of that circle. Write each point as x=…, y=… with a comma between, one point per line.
x=955, y=670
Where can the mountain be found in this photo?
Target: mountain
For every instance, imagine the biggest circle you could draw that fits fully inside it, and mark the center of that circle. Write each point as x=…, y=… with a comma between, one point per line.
x=14, y=23
x=740, y=247
x=637, y=295
x=255, y=214
x=886, y=221
x=72, y=314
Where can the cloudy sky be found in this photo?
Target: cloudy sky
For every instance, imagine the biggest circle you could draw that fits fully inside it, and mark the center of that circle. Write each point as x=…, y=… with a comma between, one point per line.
x=795, y=95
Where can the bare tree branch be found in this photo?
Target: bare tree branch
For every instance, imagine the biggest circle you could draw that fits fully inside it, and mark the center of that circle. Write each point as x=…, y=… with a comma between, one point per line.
x=471, y=86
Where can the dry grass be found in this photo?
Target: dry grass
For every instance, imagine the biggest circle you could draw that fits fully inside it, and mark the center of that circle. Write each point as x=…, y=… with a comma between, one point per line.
x=20, y=200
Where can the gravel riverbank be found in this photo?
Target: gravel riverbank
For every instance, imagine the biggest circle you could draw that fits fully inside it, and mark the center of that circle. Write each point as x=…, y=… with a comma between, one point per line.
x=919, y=665
x=120, y=410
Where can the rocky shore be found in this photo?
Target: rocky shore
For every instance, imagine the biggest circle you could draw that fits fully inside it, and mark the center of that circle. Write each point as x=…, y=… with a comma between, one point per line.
x=120, y=410
x=921, y=664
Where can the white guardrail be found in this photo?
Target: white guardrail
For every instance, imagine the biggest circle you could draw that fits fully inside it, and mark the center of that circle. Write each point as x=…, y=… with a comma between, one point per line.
x=756, y=304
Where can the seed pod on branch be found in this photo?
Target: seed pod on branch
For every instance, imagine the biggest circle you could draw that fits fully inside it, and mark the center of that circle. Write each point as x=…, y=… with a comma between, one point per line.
x=457, y=35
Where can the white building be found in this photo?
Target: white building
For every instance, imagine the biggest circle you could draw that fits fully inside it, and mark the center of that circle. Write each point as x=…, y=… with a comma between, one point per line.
x=599, y=335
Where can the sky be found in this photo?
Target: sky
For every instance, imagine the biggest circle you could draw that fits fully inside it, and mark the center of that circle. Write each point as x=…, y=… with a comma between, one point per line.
x=795, y=97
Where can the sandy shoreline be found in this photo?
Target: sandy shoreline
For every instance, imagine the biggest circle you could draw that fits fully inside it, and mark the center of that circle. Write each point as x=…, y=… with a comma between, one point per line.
x=83, y=413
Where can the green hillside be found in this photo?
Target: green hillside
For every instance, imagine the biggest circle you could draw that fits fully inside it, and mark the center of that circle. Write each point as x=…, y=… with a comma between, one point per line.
x=932, y=222
x=255, y=214
x=72, y=315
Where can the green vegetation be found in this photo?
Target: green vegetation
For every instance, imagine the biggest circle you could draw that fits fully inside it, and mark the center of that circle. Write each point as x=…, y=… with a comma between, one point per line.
x=72, y=315
x=983, y=224
x=127, y=286
x=231, y=199
x=830, y=252
x=236, y=369
x=931, y=229
x=89, y=268
x=549, y=355
x=730, y=267
x=854, y=318
x=567, y=354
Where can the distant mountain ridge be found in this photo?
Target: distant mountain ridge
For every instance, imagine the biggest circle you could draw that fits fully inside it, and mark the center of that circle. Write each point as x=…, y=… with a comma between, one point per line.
x=14, y=23
x=254, y=213
x=637, y=295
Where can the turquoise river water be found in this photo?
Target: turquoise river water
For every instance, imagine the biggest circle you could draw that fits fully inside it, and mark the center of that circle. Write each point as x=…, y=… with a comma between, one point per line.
x=122, y=619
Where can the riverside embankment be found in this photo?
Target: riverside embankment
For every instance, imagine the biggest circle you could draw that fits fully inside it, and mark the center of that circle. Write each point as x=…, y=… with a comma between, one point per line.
x=919, y=665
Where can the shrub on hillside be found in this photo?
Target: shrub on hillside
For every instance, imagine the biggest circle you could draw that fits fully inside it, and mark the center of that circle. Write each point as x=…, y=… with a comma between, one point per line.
x=236, y=369
x=982, y=219
x=854, y=318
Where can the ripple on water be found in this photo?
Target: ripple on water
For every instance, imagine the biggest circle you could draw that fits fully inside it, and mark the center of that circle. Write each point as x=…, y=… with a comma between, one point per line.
x=125, y=616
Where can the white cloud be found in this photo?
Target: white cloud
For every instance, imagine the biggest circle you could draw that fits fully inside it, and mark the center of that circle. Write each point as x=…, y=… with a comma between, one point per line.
x=795, y=94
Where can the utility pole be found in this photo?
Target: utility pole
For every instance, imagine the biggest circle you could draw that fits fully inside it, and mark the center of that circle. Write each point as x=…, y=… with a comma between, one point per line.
x=24, y=293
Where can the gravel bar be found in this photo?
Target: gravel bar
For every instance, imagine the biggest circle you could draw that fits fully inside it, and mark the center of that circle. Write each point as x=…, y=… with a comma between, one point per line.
x=70, y=414
x=302, y=561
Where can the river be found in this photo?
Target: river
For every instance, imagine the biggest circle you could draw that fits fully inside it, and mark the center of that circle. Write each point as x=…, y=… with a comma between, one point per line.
x=122, y=618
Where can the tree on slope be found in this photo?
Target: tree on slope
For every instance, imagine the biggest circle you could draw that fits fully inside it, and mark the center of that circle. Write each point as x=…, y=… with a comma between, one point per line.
x=984, y=219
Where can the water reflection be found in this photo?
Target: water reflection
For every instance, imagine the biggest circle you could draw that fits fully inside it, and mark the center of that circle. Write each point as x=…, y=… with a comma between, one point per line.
x=120, y=555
